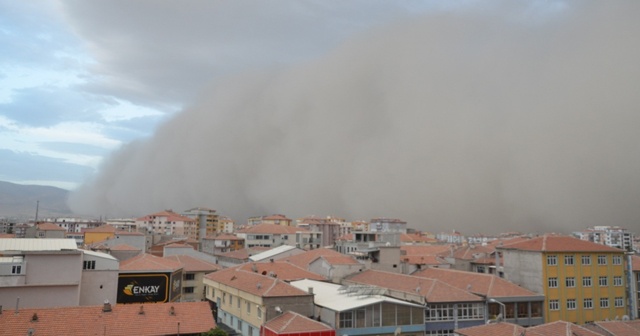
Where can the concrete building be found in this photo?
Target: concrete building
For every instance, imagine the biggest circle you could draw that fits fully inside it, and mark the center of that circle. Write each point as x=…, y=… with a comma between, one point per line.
x=613, y=236
x=226, y=225
x=330, y=227
x=205, y=216
x=187, y=318
x=445, y=307
x=582, y=281
x=222, y=243
x=387, y=225
x=273, y=235
x=513, y=303
x=276, y=219
x=635, y=287
x=358, y=310
x=149, y=279
x=45, y=230
x=169, y=223
x=245, y=300
x=193, y=272
x=45, y=272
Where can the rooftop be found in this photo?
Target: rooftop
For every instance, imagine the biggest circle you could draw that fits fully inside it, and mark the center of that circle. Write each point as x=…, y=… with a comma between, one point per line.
x=167, y=215
x=273, y=252
x=496, y=329
x=281, y=269
x=291, y=322
x=49, y=227
x=192, y=264
x=331, y=296
x=38, y=244
x=254, y=283
x=147, y=262
x=106, y=228
x=266, y=228
x=560, y=328
x=558, y=243
x=123, y=319
x=304, y=259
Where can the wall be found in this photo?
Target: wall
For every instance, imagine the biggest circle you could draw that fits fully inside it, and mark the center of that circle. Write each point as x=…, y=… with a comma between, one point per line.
x=40, y=296
x=524, y=269
x=98, y=286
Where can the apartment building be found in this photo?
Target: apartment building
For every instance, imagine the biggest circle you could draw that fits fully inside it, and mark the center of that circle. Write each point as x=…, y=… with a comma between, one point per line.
x=613, y=236
x=45, y=230
x=273, y=235
x=222, y=243
x=329, y=227
x=245, y=299
x=41, y=272
x=276, y=219
x=193, y=272
x=582, y=281
x=169, y=223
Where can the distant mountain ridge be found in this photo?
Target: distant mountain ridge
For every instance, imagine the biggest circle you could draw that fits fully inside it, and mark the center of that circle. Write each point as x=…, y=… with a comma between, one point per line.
x=18, y=200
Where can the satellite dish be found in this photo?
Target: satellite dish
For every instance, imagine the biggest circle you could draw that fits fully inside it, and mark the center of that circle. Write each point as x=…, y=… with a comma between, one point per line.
x=278, y=310
x=398, y=331
x=625, y=317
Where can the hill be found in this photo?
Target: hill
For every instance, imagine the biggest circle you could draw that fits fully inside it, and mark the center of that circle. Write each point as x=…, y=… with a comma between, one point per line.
x=17, y=200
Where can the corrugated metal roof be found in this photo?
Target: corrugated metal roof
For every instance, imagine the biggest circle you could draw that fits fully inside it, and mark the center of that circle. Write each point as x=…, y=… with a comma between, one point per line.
x=99, y=254
x=329, y=296
x=37, y=244
x=272, y=252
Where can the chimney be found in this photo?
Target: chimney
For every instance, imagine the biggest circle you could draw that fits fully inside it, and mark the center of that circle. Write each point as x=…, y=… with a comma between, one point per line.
x=106, y=307
x=310, y=290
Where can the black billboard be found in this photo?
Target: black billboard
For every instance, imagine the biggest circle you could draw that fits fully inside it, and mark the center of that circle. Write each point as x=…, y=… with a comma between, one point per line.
x=144, y=288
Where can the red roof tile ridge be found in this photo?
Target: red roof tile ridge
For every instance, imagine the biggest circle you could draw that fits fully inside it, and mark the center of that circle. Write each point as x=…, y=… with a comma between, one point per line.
x=273, y=284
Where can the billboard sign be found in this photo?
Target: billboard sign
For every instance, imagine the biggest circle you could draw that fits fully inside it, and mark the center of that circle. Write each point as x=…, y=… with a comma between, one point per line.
x=143, y=288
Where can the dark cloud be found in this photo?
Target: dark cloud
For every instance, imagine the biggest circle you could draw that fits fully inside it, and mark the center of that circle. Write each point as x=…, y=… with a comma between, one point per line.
x=477, y=120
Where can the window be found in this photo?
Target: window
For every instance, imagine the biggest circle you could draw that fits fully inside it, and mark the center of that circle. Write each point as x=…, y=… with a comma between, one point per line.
x=571, y=304
x=617, y=280
x=554, y=305
x=619, y=302
x=552, y=260
x=602, y=260
x=570, y=282
x=41, y=234
x=259, y=312
x=587, y=303
x=604, y=302
x=602, y=281
x=188, y=289
x=238, y=302
x=248, y=307
x=586, y=281
x=586, y=260
x=16, y=269
x=617, y=260
x=568, y=260
x=239, y=325
x=190, y=276
x=89, y=264
x=553, y=282
x=346, y=319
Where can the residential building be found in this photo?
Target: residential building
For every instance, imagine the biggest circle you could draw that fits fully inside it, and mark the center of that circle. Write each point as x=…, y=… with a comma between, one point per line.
x=234, y=258
x=99, y=234
x=330, y=228
x=273, y=235
x=45, y=230
x=328, y=263
x=188, y=250
x=453, y=237
x=513, y=303
x=244, y=300
x=387, y=225
x=42, y=272
x=149, y=279
x=582, y=281
x=635, y=287
x=204, y=217
x=226, y=225
x=169, y=223
x=176, y=318
x=276, y=219
x=294, y=324
x=193, y=272
x=613, y=236
x=222, y=243
x=446, y=308
x=362, y=310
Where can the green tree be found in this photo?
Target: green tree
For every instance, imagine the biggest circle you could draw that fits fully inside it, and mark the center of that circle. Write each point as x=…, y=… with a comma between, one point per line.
x=214, y=332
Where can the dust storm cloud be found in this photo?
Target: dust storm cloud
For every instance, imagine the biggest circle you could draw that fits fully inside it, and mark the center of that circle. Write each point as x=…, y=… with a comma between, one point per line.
x=482, y=121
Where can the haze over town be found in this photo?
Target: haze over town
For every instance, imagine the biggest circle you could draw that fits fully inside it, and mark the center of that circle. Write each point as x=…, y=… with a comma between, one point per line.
x=475, y=116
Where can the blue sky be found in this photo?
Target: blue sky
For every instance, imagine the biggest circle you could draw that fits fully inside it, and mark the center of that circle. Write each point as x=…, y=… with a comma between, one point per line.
x=80, y=79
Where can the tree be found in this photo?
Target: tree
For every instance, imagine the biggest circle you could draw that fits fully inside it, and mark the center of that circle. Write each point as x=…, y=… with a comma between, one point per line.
x=214, y=332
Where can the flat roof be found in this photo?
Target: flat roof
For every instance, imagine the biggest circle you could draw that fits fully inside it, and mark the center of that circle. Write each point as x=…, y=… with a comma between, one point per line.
x=37, y=244
x=328, y=295
x=272, y=252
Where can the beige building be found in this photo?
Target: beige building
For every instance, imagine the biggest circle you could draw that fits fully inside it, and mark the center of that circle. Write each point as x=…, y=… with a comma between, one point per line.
x=193, y=272
x=38, y=273
x=169, y=223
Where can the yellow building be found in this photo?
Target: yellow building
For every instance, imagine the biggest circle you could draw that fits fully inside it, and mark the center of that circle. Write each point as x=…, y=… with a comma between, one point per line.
x=99, y=234
x=582, y=281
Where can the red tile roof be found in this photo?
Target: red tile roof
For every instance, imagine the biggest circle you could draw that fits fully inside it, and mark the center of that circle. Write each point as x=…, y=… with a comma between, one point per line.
x=123, y=319
x=276, y=217
x=416, y=238
x=340, y=260
x=557, y=243
x=432, y=290
x=283, y=270
x=496, y=329
x=254, y=283
x=7, y=235
x=304, y=259
x=291, y=322
x=178, y=245
x=148, y=262
x=486, y=285
x=49, y=227
x=635, y=263
x=192, y=264
x=420, y=250
x=272, y=229
x=124, y=247
x=472, y=252
x=560, y=328
x=618, y=328
x=245, y=253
